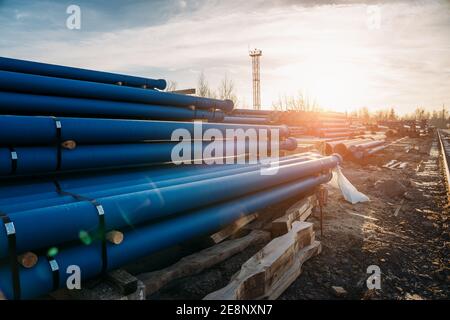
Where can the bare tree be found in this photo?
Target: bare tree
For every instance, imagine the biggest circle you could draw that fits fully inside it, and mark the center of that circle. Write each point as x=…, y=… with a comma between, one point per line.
x=363, y=113
x=392, y=115
x=226, y=90
x=301, y=102
x=203, y=89
x=420, y=113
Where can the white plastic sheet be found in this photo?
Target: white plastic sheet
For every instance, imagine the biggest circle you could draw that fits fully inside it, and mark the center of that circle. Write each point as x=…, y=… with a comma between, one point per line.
x=349, y=192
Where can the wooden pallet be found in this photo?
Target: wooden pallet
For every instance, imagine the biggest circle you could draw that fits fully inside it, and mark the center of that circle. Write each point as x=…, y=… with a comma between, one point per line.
x=199, y=261
x=299, y=211
x=233, y=228
x=273, y=269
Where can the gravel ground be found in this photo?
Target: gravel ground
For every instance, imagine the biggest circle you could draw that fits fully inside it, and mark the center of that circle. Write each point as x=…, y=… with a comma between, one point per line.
x=411, y=247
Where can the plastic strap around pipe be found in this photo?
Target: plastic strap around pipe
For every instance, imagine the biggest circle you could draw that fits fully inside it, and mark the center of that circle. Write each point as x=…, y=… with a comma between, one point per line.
x=58, y=127
x=54, y=267
x=101, y=218
x=12, y=252
x=14, y=159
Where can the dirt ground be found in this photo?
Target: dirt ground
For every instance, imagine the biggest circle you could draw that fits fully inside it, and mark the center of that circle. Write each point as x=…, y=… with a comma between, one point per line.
x=406, y=235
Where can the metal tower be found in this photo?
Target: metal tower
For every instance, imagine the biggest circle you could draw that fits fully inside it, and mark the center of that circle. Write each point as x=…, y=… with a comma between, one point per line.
x=255, y=55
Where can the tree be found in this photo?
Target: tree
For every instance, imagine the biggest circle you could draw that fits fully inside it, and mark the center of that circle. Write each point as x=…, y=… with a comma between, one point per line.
x=364, y=114
x=301, y=102
x=226, y=90
x=203, y=89
x=420, y=113
x=392, y=115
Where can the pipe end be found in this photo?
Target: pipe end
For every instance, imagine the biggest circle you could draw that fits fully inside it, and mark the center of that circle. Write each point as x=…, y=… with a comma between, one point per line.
x=339, y=157
x=290, y=144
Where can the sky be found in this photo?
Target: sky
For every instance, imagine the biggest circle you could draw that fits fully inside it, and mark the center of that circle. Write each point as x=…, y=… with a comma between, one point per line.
x=342, y=54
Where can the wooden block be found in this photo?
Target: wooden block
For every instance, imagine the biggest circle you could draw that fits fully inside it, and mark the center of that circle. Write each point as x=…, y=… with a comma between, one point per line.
x=199, y=261
x=302, y=205
x=27, y=260
x=125, y=282
x=299, y=211
x=115, y=237
x=270, y=271
x=233, y=228
x=294, y=272
x=69, y=145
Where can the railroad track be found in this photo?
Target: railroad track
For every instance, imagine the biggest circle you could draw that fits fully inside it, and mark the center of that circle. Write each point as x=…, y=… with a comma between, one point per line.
x=444, y=144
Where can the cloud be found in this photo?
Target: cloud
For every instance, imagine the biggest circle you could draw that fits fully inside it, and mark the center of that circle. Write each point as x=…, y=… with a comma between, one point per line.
x=324, y=48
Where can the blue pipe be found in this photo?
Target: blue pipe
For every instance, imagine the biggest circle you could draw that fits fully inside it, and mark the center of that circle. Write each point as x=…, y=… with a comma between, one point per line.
x=27, y=130
x=31, y=104
x=27, y=83
x=135, y=208
x=244, y=119
x=376, y=149
x=363, y=150
x=34, y=160
x=18, y=191
x=360, y=154
x=13, y=188
x=253, y=112
x=366, y=145
x=50, y=199
x=149, y=239
x=57, y=71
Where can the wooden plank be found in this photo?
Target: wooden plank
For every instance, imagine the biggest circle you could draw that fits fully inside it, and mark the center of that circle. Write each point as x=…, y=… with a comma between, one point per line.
x=233, y=228
x=299, y=211
x=271, y=270
x=184, y=91
x=294, y=271
x=399, y=207
x=390, y=163
x=199, y=261
x=302, y=205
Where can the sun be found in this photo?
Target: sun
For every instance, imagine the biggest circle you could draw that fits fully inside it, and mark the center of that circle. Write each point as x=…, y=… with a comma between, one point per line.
x=335, y=86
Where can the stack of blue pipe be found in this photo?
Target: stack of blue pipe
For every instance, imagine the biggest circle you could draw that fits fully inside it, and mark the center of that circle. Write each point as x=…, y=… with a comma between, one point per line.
x=61, y=125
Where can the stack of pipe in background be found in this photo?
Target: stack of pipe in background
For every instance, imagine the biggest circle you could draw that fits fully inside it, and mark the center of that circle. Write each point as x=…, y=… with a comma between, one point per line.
x=401, y=128
x=356, y=149
x=87, y=154
x=326, y=125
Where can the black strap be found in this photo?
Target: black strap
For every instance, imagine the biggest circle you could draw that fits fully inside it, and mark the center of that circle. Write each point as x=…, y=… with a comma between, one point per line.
x=54, y=267
x=101, y=218
x=11, y=234
x=58, y=135
x=14, y=159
